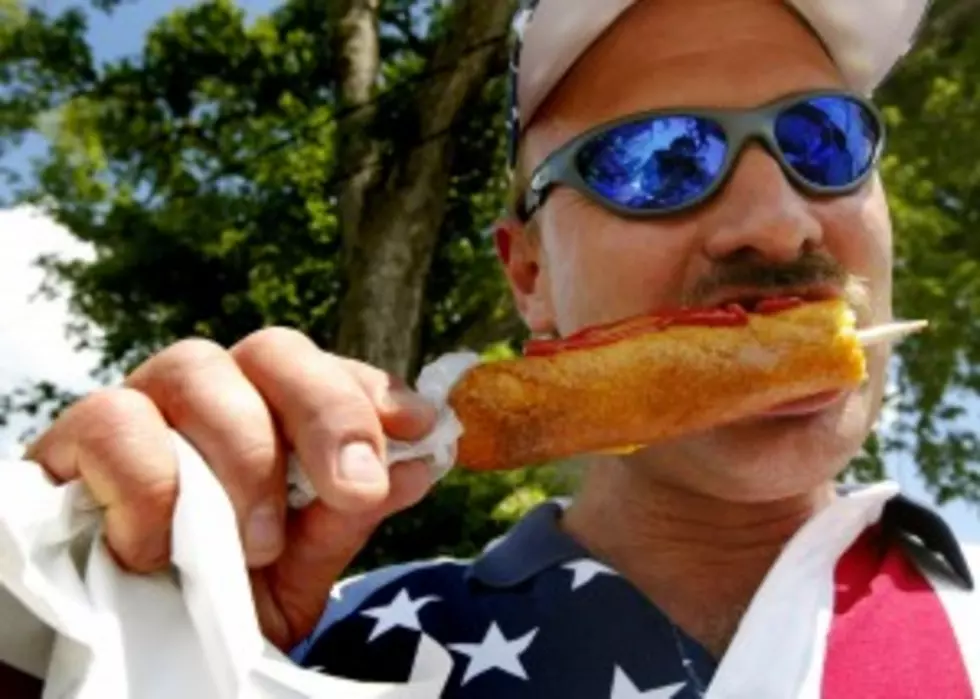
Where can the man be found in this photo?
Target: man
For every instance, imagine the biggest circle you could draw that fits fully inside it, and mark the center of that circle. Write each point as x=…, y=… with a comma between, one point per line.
x=721, y=564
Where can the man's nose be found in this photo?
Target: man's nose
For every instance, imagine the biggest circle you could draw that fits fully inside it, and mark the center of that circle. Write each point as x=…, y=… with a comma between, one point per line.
x=760, y=212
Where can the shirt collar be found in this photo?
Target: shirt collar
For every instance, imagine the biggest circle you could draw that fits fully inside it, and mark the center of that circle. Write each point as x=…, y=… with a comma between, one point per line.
x=537, y=543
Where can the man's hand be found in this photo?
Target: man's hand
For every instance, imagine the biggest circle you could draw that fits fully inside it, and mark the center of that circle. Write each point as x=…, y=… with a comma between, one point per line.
x=244, y=410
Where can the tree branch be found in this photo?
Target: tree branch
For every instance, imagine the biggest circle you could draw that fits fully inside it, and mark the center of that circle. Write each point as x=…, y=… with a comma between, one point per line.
x=474, y=23
x=401, y=21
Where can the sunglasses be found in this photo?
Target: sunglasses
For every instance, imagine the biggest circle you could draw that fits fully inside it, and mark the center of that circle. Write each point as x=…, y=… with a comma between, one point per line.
x=668, y=161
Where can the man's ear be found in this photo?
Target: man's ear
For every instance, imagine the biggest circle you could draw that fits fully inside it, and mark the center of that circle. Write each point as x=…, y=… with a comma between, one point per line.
x=523, y=260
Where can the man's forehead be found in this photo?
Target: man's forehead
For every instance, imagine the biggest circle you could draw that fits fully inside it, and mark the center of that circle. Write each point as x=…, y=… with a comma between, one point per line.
x=667, y=56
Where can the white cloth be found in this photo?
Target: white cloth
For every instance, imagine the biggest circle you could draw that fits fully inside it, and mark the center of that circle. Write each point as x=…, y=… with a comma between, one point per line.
x=72, y=616
x=780, y=646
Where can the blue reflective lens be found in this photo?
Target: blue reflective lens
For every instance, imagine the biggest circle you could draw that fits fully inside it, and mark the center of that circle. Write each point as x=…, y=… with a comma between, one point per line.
x=660, y=163
x=828, y=141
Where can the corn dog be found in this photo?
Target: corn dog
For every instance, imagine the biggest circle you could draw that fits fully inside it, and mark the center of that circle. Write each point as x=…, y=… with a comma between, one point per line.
x=649, y=379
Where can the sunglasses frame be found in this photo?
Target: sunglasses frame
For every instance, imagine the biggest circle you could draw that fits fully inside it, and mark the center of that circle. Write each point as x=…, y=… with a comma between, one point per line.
x=740, y=126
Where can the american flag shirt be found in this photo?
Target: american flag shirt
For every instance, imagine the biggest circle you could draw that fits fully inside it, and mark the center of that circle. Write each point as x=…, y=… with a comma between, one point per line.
x=872, y=598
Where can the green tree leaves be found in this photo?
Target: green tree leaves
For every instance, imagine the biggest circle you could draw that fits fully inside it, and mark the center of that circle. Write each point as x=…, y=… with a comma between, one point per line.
x=933, y=179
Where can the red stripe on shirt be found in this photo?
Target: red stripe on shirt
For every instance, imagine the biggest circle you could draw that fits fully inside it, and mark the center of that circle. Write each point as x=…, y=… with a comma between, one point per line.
x=890, y=636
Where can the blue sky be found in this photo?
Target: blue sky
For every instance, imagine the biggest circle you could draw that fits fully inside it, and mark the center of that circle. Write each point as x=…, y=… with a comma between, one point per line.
x=122, y=34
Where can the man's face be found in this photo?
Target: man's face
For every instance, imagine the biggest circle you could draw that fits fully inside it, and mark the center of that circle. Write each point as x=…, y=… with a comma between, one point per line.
x=585, y=265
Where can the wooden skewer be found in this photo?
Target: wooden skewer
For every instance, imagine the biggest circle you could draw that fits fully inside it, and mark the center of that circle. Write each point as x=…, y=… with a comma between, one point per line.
x=891, y=332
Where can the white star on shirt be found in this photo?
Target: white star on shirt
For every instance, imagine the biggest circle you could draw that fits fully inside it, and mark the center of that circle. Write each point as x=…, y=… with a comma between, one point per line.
x=495, y=652
x=585, y=570
x=402, y=612
x=623, y=688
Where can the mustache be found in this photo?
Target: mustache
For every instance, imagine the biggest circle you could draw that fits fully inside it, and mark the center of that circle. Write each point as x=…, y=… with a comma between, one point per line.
x=811, y=269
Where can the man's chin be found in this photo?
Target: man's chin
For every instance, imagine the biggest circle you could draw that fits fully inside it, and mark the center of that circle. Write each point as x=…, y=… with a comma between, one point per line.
x=826, y=419
x=787, y=451
x=807, y=407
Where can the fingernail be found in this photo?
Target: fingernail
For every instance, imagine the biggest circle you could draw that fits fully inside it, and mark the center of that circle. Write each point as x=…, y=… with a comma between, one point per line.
x=359, y=463
x=404, y=399
x=263, y=533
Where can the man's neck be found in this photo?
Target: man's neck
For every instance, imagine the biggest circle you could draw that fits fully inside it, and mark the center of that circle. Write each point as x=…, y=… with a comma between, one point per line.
x=699, y=559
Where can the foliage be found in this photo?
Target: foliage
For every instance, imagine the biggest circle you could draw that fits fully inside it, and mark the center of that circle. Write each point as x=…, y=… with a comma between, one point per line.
x=933, y=177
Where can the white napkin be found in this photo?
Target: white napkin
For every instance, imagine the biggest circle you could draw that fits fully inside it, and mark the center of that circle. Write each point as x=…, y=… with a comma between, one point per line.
x=73, y=617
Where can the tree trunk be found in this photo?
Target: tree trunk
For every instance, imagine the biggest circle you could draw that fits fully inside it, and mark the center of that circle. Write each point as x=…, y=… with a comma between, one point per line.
x=355, y=46
x=402, y=214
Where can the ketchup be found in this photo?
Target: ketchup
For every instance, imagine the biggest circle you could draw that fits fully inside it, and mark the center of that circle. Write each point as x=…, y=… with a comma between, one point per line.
x=776, y=305
x=732, y=315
